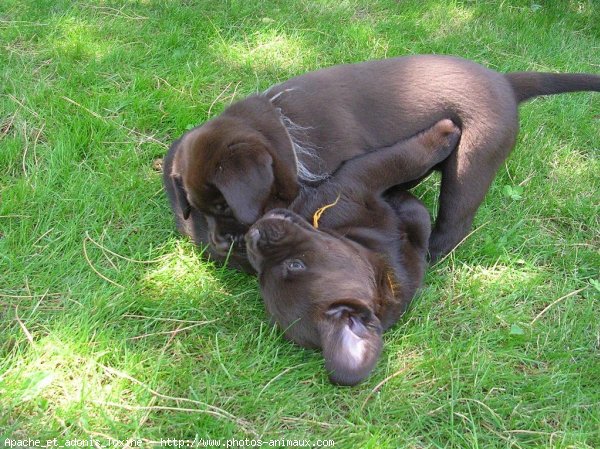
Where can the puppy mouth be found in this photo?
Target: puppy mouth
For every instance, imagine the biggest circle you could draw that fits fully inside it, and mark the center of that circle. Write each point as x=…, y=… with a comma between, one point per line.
x=223, y=238
x=231, y=243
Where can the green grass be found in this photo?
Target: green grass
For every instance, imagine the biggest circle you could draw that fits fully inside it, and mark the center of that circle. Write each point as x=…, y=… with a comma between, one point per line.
x=500, y=350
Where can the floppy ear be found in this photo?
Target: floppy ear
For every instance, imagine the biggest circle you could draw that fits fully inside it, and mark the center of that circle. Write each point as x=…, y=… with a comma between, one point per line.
x=245, y=179
x=267, y=121
x=173, y=176
x=351, y=342
x=184, y=204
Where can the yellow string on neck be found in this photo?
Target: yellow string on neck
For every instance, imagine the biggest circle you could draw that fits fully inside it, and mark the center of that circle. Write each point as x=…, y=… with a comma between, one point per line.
x=391, y=282
x=319, y=212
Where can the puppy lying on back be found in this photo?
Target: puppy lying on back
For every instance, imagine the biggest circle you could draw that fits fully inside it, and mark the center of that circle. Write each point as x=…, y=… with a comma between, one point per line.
x=340, y=286
x=254, y=157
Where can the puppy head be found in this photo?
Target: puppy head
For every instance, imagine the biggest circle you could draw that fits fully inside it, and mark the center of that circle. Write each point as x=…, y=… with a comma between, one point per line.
x=232, y=173
x=323, y=290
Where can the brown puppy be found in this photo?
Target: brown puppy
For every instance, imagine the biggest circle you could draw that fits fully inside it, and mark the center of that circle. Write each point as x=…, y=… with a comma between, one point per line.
x=340, y=286
x=257, y=154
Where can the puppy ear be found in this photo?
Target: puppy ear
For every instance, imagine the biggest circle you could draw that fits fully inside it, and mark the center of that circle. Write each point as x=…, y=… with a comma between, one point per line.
x=270, y=127
x=351, y=341
x=245, y=179
x=184, y=204
x=177, y=180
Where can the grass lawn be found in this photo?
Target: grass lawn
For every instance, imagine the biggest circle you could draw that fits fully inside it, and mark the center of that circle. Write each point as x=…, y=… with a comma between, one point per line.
x=113, y=327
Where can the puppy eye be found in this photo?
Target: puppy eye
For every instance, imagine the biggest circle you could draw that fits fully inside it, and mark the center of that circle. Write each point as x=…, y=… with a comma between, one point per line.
x=295, y=265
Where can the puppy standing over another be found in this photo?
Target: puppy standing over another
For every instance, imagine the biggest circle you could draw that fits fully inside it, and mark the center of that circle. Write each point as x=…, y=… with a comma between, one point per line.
x=223, y=175
x=340, y=286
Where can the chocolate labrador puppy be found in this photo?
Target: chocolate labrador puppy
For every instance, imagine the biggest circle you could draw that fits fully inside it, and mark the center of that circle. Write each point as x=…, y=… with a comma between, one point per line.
x=340, y=286
x=258, y=153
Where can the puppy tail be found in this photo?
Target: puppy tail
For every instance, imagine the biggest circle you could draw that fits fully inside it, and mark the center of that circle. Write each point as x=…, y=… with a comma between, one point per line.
x=527, y=85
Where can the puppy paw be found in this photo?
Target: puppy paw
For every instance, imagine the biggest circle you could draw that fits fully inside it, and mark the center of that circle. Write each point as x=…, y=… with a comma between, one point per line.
x=446, y=127
x=441, y=139
x=445, y=133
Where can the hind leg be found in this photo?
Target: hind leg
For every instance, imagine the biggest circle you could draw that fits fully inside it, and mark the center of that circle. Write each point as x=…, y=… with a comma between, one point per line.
x=413, y=217
x=466, y=177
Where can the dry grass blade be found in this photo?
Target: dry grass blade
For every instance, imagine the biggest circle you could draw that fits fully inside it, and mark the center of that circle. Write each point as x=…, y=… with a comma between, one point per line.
x=287, y=370
x=5, y=295
x=114, y=12
x=174, y=320
x=25, y=331
x=210, y=409
x=128, y=259
x=23, y=105
x=85, y=254
x=98, y=116
x=459, y=243
x=7, y=126
x=381, y=384
x=172, y=333
x=553, y=303
x=217, y=99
